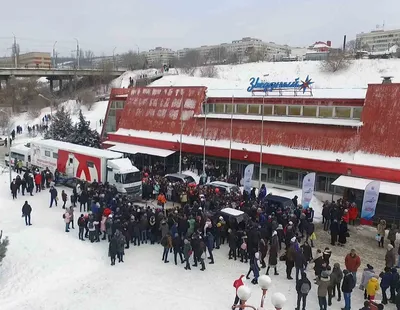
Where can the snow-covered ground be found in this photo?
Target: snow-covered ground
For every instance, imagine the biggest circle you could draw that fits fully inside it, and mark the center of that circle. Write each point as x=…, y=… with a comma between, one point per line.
x=46, y=268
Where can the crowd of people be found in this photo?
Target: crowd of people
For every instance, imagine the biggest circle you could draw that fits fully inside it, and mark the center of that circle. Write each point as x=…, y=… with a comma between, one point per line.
x=191, y=232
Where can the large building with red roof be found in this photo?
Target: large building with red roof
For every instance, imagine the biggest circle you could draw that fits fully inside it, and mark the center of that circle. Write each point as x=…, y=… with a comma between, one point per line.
x=351, y=136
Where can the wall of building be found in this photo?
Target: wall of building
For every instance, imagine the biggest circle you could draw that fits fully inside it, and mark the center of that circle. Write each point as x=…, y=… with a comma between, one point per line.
x=378, y=41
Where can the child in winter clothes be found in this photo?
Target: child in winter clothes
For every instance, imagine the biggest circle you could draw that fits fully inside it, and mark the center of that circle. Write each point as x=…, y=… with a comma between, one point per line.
x=367, y=274
x=372, y=287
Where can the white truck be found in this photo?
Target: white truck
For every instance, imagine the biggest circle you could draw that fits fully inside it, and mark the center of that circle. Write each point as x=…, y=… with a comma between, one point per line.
x=89, y=164
x=19, y=152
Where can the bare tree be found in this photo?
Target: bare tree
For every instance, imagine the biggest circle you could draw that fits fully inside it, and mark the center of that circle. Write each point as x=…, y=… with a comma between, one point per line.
x=133, y=60
x=335, y=62
x=87, y=98
x=209, y=71
x=351, y=46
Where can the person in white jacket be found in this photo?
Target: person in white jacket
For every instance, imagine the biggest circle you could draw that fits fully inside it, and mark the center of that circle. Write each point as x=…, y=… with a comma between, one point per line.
x=67, y=220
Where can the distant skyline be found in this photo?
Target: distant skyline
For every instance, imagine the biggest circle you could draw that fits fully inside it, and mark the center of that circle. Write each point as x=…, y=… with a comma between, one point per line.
x=128, y=24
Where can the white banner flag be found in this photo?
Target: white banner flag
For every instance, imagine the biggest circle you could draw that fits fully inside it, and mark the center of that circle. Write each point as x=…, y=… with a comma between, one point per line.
x=307, y=190
x=371, y=195
x=248, y=175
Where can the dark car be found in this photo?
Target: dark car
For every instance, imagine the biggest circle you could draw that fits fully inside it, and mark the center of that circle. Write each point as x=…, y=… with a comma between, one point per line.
x=279, y=201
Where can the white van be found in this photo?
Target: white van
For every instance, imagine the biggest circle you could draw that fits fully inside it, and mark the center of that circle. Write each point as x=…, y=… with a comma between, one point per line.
x=19, y=152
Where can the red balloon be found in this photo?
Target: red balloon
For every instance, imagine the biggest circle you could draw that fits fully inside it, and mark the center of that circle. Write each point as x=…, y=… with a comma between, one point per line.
x=217, y=190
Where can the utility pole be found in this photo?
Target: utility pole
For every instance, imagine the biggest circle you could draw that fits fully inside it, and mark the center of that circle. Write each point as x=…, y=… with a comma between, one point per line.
x=114, y=65
x=77, y=53
x=54, y=55
x=15, y=50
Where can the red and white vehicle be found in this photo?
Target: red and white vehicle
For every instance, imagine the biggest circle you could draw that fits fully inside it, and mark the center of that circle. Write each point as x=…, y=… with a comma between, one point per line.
x=87, y=163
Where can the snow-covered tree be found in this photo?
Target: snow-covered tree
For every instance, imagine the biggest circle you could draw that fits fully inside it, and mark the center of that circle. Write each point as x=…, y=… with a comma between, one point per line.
x=84, y=135
x=3, y=246
x=61, y=126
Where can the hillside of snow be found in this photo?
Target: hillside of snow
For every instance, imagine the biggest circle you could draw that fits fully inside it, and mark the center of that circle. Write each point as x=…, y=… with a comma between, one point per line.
x=97, y=112
x=358, y=75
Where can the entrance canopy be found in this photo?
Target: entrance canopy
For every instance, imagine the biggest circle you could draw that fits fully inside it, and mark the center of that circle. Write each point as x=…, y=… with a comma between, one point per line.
x=134, y=149
x=358, y=183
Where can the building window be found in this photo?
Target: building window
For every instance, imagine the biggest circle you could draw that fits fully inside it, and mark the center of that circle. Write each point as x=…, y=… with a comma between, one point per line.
x=321, y=183
x=210, y=108
x=357, y=113
x=291, y=178
x=219, y=108
x=47, y=153
x=280, y=110
x=342, y=112
x=111, y=112
x=325, y=112
x=254, y=109
x=268, y=110
x=275, y=175
x=309, y=111
x=229, y=108
x=295, y=110
x=55, y=155
x=241, y=109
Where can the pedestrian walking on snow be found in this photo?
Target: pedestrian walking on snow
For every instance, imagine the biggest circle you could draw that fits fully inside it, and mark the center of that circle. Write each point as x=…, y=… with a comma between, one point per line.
x=26, y=213
x=53, y=196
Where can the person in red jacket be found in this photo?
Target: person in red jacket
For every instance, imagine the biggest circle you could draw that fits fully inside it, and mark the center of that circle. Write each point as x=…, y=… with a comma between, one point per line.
x=236, y=284
x=352, y=263
x=38, y=182
x=353, y=213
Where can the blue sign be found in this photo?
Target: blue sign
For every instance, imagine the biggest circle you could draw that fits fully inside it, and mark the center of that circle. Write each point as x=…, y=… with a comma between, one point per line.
x=258, y=84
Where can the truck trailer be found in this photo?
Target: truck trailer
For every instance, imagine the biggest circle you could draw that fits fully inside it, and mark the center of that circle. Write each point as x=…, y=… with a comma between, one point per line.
x=88, y=164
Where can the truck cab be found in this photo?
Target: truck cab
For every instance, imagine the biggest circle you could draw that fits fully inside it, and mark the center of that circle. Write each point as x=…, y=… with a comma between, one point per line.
x=19, y=152
x=125, y=177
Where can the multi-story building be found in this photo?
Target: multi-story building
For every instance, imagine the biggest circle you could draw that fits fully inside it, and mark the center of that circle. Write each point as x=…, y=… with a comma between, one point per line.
x=28, y=60
x=242, y=48
x=378, y=40
x=160, y=56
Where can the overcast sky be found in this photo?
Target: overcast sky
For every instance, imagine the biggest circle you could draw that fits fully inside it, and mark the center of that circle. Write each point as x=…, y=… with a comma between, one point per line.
x=103, y=25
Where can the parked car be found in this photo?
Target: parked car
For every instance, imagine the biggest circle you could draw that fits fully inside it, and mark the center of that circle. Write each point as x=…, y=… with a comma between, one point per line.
x=180, y=178
x=224, y=187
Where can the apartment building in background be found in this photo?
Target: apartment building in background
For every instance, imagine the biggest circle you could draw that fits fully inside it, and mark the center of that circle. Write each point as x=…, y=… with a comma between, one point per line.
x=272, y=51
x=160, y=56
x=28, y=60
x=378, y=40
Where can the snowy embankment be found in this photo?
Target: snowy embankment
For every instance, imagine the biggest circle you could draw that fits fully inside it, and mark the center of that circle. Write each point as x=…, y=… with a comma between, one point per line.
x=97, y=112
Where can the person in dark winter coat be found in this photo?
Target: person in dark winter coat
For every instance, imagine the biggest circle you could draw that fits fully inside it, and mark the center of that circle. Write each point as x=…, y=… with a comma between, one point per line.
x=198, y=249
x=187, y=251
x=273, y=253
x=113, y=250
x=290, y=256
x=254, y=267
x=343, y=233
x=210, y=246
x=334, y=231
x=307, y=251
x=299, y=262
x=390, y=256
x=177, y=246
x=14, y=188
x=263, y=248
x=120, y=245
x=64, y=198
x=303, y=287
x=26, y=213
x=232, y=242
x=387, y=278
x=335, y=280
x=81, y=226
x=393, y=285
x=347, y=288
x=318, y=262
x=53, y=196
x=392, y=234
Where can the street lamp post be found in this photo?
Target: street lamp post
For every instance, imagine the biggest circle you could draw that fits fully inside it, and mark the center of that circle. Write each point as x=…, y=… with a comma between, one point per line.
x=8, y=144
x=261, y=142
x=15, y=51
x=244, y=293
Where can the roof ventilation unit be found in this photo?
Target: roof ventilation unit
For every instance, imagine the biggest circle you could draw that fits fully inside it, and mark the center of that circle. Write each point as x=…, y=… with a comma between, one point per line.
x=387, y=79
